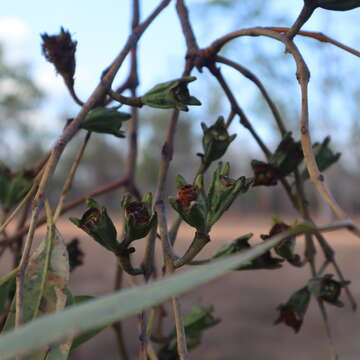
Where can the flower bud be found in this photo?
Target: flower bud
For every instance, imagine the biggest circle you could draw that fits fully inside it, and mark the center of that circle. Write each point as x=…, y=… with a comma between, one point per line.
x=223, y=192
x=264, y=174
x=60, y=51
x=105, y=121
x=186, y=195
x=293, y=312
x=139, y=217
x=171, y=95
x=286, y=248
x=327, y=289
x=97, y=223
x=288, y=155
x=216, y=140
x=190, y=206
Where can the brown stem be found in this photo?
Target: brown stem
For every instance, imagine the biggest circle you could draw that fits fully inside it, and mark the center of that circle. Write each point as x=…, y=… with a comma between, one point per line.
x=200, y=240
x=252, y=77
x=320, y=37
x=120, y=341
x=235, y=107
x=70, y=177
x=169, y=268
x=71, y=205
x=303, y=17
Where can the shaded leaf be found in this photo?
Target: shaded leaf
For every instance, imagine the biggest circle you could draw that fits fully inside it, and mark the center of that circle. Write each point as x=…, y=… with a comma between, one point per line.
x=196, y=322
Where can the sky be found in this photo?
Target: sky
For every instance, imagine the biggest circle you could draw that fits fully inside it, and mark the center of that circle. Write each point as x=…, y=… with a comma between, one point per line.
x=101, y=29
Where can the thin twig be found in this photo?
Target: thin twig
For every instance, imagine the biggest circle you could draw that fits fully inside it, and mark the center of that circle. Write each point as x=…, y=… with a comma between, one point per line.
x=71, y=205
x=304, y=16
x=235, y=107
x=70, y=177
x=320, y=37
x=303, y=78
x=22, y=203
x=248, y=74
x=69, y=132
x=169, y=268
x=120, y=341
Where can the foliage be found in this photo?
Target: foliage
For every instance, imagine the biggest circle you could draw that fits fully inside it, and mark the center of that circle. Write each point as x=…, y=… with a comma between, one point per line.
x=44, y=319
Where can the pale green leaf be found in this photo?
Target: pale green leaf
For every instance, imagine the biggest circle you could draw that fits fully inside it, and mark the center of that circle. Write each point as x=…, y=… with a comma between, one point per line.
x=105, y=310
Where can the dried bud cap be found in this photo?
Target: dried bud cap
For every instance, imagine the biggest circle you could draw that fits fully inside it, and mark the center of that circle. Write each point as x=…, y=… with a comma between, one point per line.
x=60, y=51
x=139, y=211
x=187, y=194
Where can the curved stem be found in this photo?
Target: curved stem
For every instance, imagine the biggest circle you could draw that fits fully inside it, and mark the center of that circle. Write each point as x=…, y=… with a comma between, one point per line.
x=303, y=17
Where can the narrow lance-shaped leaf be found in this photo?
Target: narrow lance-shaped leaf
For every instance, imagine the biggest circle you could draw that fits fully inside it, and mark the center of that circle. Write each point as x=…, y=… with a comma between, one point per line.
x=113, y=307
x=45, y=284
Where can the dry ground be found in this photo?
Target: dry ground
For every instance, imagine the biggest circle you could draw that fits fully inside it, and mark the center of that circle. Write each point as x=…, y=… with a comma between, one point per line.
x=245, y=301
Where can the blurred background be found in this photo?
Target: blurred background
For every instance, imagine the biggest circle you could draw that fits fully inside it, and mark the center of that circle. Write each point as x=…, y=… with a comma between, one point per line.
x=34, y=107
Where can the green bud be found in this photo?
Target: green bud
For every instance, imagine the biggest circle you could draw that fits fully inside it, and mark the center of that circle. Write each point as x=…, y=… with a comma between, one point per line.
x=216, y=140
x=97, y=223
x=337, y=5
x=171, y=95
x=286, y=248
x=327, y=289
x=190, y=206
x=105, y=121
x=293, y=312
x=324, y=156
x=139, y=217
x=288, y=155
x=264, y=174
x=223, y=191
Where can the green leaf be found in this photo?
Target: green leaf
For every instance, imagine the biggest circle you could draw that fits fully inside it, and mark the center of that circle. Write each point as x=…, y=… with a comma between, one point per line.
x=46, y=279
x=105, y=310
x=196, y=322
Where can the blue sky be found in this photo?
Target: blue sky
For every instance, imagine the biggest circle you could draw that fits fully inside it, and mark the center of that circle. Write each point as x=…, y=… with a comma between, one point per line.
x=101, y=29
